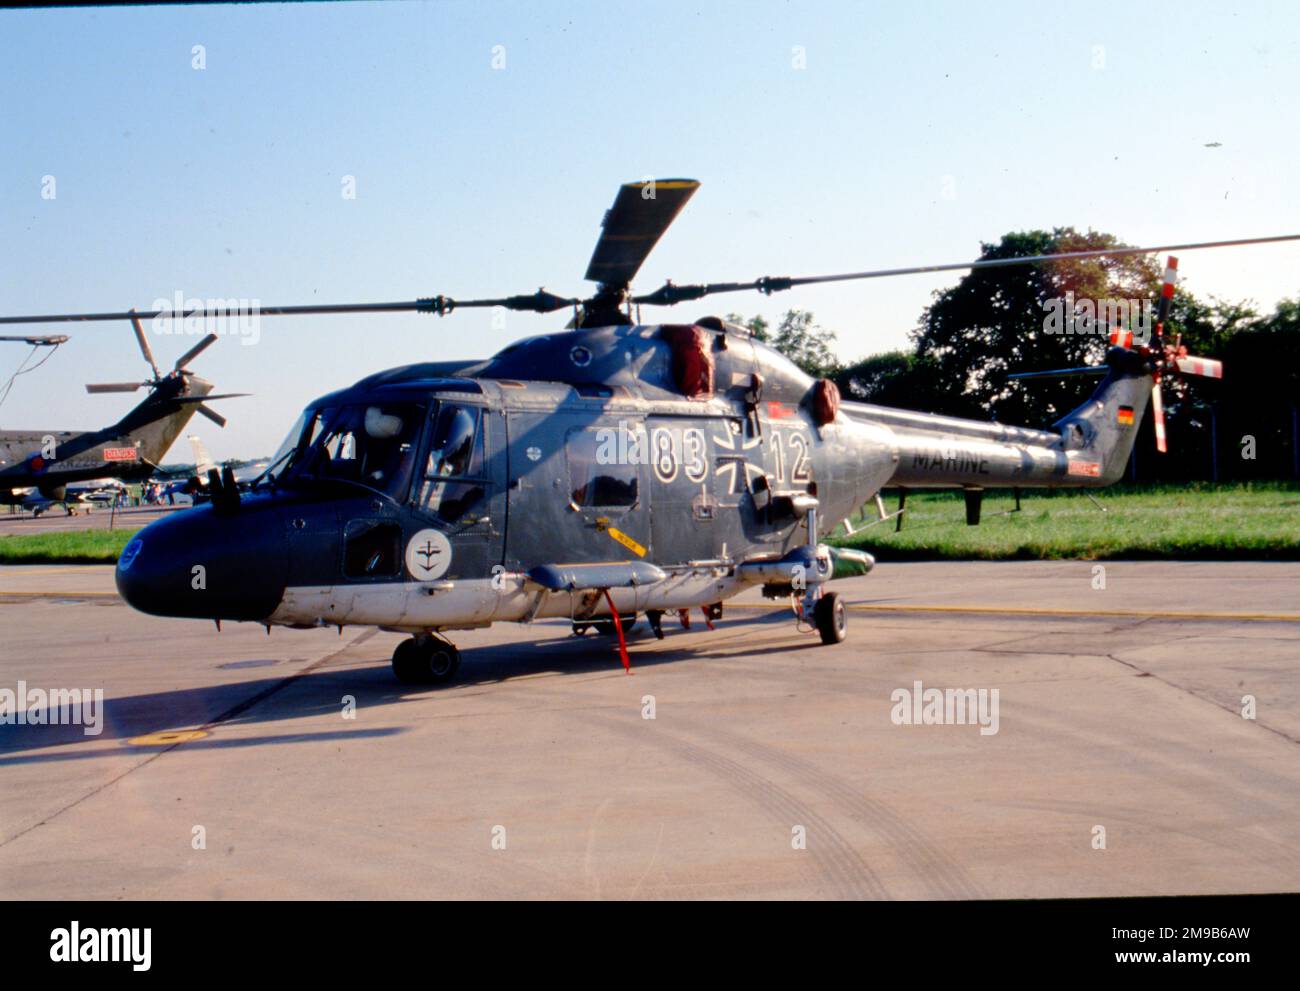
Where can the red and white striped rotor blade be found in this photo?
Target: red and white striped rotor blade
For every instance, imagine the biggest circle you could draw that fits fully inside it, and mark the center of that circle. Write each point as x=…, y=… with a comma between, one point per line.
x=1208, y=367
x=1166, y=294
x=1158, y=416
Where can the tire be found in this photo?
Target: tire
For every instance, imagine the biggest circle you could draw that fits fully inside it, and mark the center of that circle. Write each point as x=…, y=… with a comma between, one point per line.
x=406, y=662
x=832, y=618
x=425, y=661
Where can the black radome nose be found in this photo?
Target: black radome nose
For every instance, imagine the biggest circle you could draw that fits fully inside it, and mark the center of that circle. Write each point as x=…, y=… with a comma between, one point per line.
x=206, y=565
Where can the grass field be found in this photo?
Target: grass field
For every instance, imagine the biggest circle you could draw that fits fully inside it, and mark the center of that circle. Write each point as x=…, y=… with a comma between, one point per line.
x=71, y=547
x=1244, y=521
x=1241, y=521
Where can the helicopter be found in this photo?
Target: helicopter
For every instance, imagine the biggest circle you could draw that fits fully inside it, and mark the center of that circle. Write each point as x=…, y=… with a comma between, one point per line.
x=41, y=467
x=606, y=471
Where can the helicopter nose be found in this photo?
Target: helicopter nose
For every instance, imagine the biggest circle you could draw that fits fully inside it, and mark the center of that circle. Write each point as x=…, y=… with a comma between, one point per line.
x=201, y=564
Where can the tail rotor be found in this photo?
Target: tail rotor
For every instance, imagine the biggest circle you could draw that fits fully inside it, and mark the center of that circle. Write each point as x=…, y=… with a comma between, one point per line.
x=1163, y=359
x=1171, y=359
x=175, y=385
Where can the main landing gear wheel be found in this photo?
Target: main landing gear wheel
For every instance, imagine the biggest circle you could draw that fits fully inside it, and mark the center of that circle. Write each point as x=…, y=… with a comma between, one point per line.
x=425, y=660
x=832, y=618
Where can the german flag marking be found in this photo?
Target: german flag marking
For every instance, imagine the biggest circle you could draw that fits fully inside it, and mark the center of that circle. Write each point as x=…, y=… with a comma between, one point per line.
x=1125, y=416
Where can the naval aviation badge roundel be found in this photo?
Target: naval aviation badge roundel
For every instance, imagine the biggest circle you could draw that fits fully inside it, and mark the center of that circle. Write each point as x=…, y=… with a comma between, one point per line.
x=428, y=555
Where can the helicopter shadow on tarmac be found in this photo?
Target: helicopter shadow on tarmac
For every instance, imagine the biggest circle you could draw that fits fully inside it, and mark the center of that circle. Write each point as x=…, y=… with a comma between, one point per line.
x=320, y=692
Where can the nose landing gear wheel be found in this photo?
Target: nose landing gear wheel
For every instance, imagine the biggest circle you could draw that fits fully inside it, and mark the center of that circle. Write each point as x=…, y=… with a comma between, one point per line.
x=832, y=618
x=425, y=660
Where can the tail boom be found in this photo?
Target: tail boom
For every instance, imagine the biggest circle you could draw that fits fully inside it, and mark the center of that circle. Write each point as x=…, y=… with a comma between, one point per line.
x=1089, y=448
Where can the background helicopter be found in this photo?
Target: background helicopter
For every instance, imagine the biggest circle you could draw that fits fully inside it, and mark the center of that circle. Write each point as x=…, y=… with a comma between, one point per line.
x=48, y=461
x=614, y=469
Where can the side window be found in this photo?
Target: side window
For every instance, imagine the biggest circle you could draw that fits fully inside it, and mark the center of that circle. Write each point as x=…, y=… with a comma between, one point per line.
x=371, y=550
x=598, y=480
x=454, y=481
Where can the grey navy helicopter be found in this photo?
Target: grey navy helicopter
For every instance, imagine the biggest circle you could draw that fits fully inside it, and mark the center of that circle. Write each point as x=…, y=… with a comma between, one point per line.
x=38, y=467
x=603, y=471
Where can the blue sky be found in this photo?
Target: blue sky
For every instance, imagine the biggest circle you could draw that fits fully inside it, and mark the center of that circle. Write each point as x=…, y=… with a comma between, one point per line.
x=478, y=181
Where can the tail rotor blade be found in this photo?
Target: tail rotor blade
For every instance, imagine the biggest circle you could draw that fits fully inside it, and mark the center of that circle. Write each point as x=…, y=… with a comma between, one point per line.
x=99, y=387
x=182, y=400
x=1158, y=415
x=144, y=344
x=1207, y=367
x=1166, y=298
x=211, y=414
x=195, y=351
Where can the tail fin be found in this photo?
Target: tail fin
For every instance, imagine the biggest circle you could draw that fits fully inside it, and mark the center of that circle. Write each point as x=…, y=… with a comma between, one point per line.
x=154, y=424
x=202, y=460
x=1098, y=436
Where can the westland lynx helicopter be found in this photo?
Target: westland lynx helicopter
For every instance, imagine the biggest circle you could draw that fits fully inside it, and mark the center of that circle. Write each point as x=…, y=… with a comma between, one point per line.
x=38, y=466
x=596, y=473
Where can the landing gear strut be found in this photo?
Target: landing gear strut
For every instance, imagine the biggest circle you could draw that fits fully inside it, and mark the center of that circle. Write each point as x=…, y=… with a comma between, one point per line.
x=825, y=608
x=425, y=660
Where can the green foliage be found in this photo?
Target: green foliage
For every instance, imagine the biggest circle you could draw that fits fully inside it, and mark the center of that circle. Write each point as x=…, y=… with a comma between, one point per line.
x=992, y=323
x=903, y=380
x=756, y=325
x=798, y=338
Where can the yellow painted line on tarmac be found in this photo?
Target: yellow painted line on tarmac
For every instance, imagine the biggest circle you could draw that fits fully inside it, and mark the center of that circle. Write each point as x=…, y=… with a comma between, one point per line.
x=1239, y=617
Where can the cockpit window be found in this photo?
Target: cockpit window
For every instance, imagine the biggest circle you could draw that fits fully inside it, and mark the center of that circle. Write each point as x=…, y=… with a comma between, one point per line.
x=454, y=482
x=452, y=449
x=370, y=444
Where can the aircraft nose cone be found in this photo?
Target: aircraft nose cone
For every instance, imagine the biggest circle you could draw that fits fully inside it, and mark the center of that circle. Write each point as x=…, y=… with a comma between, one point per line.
x=204, y=565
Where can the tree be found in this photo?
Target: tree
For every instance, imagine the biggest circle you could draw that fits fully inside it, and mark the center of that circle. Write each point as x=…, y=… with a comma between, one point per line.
x=999, y=320
x=799, y=339
x=756, y=325
x=900, y=379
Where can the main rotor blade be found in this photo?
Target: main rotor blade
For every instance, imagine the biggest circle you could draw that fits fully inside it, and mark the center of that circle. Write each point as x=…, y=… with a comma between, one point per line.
x=195, y=351
x=642, y=211
x=144, y=346
x=538, y=302
x=115, y=387
x=39, y=340
x=669, y=294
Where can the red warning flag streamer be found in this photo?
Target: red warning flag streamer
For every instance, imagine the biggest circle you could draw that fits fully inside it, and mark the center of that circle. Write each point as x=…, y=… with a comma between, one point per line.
x=618, y=628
